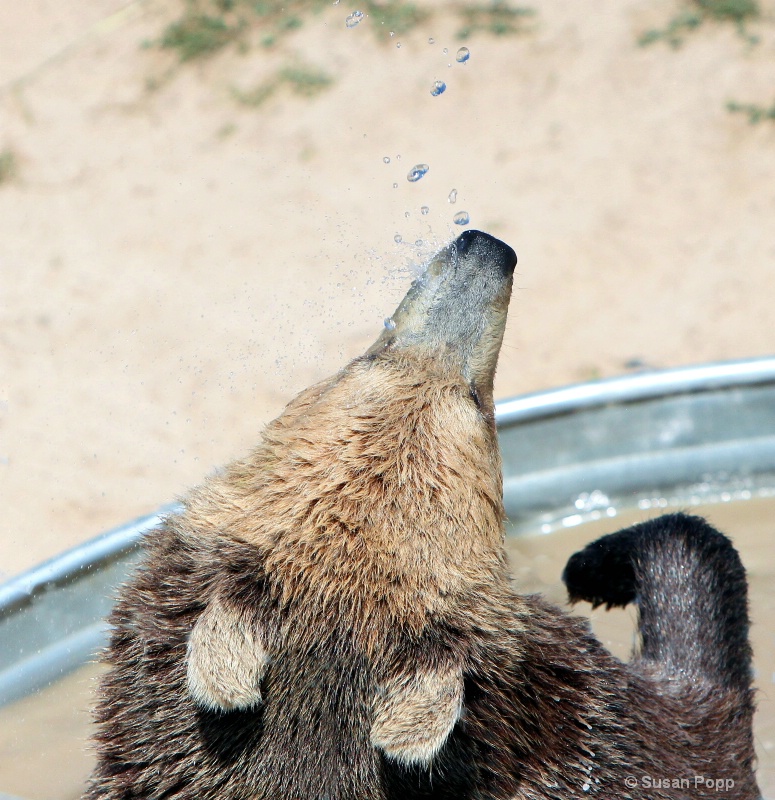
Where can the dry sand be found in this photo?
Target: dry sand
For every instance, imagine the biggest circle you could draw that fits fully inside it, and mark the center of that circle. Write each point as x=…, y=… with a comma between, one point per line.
x=175, y=266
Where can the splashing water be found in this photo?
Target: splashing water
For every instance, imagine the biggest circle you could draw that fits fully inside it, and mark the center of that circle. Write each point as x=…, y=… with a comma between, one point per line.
x=461, y=218
x=452, y=197
x=390, y=324
x=416, y=172
x=353, y=19
x=463, y=55
x=439, y=87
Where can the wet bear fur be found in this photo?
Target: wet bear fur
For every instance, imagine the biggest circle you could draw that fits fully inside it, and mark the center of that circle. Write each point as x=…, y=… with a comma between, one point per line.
x=332, y=616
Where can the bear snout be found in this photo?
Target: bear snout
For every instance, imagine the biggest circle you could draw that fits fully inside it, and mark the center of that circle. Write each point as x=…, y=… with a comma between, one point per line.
x=488, y=249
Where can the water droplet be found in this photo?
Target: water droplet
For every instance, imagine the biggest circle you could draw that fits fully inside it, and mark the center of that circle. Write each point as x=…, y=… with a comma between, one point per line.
x=463, y=55
x=416, y=172
x=418, y=242
x=390, y=324
x=424, y=210
x=438, y=88
x=397, y=238
x=461, y=218
x=336, y=2
x=406, y=214
x=386, y=159
x=431, y=40
x=354, y=19
x=398, y=157
x=452, y=196
x=445, y=51
x=395, y=186
x=392, y=33
x=398, y=44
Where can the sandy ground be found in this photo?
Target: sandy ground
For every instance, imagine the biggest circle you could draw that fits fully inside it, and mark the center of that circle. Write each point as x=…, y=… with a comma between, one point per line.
x=175, y=266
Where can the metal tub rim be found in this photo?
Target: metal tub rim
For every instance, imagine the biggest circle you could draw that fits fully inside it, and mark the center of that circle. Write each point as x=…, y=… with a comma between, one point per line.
x=645, y=385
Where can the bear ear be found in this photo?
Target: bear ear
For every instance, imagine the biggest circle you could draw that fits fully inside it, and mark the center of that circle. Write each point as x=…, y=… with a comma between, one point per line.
x=415, y=712
x=225, y=660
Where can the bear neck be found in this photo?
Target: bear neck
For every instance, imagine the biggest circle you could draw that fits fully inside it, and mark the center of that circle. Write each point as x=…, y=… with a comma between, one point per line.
x=378, y=491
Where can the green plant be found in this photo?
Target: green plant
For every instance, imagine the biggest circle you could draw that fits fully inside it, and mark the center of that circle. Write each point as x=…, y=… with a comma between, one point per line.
x=305, y=81
x=394, y=17
x=735, y=10
x=497, y=18
x=207, y=26
x=300, y=79
x=195, y=35
x=738, y=12
x=756, y=113
x=8, y=166
x=673, y=32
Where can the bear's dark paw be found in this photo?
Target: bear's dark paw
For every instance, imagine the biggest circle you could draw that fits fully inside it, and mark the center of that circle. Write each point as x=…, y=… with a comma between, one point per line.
x=225, y=660
x=602, y=573
x=414, y=713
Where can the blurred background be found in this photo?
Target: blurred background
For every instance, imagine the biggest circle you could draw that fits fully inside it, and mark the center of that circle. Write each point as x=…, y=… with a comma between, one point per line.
x=206, y=206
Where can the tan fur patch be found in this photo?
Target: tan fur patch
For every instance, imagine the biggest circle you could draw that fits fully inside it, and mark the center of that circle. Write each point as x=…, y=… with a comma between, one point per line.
x=225, y=660
x=415, y=713
x=377, y=495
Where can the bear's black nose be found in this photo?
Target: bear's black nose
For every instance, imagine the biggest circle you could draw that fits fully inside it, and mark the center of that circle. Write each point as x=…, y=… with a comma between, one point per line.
x=466, y=239
x=488, y=248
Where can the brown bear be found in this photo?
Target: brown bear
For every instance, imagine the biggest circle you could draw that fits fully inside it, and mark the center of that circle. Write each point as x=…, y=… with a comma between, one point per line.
x=331, y=618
